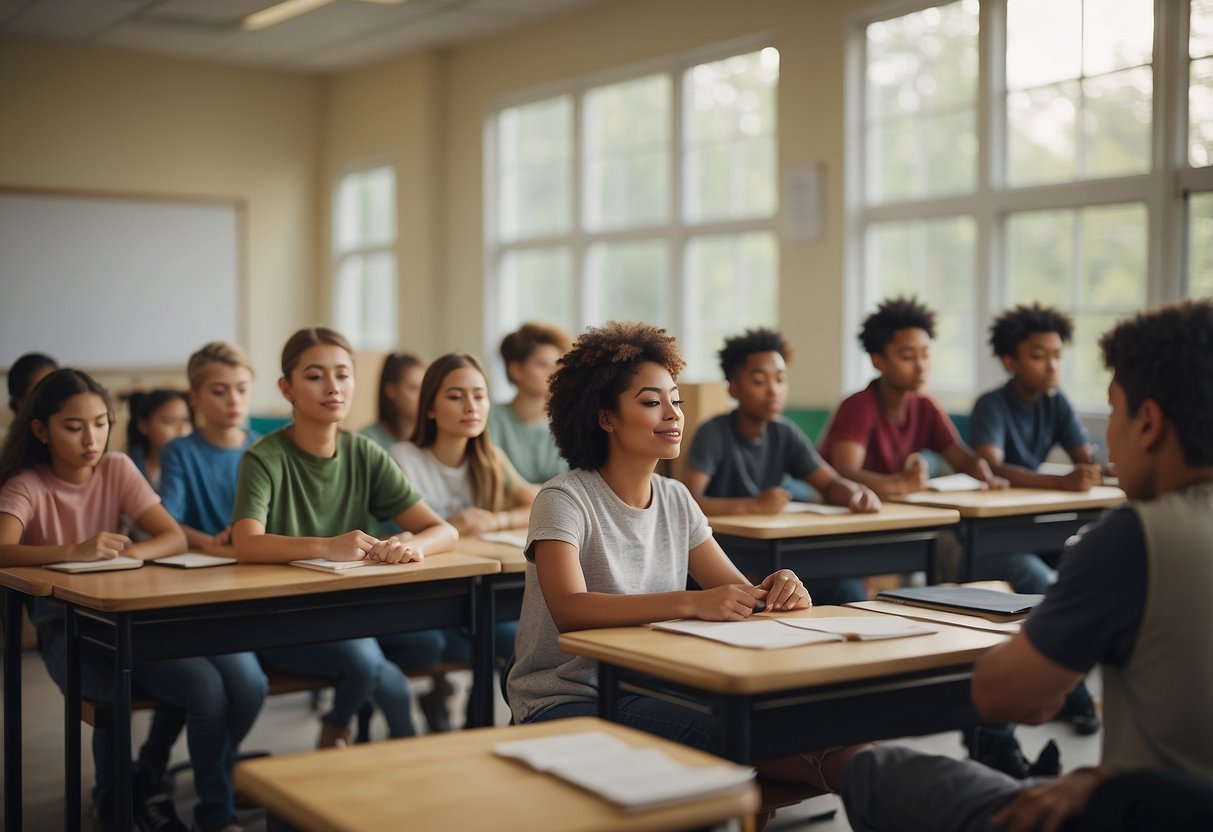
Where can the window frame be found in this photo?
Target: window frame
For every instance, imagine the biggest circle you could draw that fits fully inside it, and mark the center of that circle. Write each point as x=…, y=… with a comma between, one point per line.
x=338, y=255
x=1163, y=189
x=676, y=232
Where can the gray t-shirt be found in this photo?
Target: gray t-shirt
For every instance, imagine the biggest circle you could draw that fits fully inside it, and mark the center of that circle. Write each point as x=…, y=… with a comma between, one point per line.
x=622, y=550
x=743, y=467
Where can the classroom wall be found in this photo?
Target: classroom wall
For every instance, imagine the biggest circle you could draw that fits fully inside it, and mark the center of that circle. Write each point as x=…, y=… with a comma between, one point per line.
x=83, y=118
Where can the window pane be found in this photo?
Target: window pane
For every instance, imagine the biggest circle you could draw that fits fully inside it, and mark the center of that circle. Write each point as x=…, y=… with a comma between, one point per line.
x=1080, y=89
x=729, y=137
x=1200, y=29
x=365, y=300
x=627, y=281
x=1042, y=39
x=1200, y=113
x=920, y=100
x=366, y=209
x=627, y=155
x=732, y=283
x=536, y=285
x=1089, y=262
x=534, y=155
x=936, y=261
x=1200, y=245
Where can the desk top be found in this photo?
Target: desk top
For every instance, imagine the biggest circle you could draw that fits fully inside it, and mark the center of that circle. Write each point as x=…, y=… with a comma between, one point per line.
x=32, y=580
x=159, y=587
x=508, y=555
x=721, y=668
x=1016, y=501
x=454, y=781
x=892, y=517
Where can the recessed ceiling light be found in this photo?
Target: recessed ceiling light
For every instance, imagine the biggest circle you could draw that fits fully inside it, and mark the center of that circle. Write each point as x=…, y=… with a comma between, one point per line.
x=287, y=9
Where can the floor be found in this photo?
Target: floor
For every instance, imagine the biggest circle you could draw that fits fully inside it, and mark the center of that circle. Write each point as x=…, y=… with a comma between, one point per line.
x=288, y=724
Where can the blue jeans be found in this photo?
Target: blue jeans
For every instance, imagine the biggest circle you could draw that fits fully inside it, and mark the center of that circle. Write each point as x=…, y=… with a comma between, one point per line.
x=362, y=673
x=1024, y=571
x=652, y=716
x=219, y=695
x=417, y=651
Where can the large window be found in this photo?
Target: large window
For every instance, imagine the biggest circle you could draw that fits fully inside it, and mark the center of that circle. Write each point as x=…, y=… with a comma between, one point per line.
x=647, y=196
x=1025, y=150
x=364, y=255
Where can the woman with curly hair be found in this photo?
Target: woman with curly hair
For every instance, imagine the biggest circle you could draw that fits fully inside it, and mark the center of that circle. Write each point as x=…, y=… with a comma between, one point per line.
x=611, y=544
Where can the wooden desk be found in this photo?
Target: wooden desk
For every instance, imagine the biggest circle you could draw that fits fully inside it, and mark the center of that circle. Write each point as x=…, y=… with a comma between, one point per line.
x=454, y=781
x=898, y=538
x=159, y=613
x=19, y=584
x=1017, y=519
x=771, y=703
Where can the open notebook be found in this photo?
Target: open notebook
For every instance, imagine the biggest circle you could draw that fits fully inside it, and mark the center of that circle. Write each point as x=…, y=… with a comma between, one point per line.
x=635, y=779
x=326, y=565
x=774, y=633
x=193, y=560
x=795, y=507
x=112, y=565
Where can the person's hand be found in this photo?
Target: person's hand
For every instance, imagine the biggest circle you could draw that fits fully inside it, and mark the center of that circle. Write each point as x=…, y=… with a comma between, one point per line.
x=772, y=500
x=914, y=476
x=863, y=501
x=987, y=476
x=730, y=602
x=785, y=591
x=1084, y=477
x=351, y=545
x=1046, y=806
x=394, y=550
x=473, y=521
x=224, y=538
x=104, y=546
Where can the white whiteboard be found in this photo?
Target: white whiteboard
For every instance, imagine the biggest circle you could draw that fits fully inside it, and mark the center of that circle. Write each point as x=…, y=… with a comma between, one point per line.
x=111, y=282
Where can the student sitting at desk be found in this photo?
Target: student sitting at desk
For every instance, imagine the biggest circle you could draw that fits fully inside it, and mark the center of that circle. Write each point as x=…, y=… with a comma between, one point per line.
x=308, y=491
x=61, y=499
x=1014, y=427
x=520, y=427
x=26, y=372
x=469, y=481
x=396, y=409
x=611, y=544
x=738, y=459
x=1132, y=596
x=157, y=418
x=876, y=433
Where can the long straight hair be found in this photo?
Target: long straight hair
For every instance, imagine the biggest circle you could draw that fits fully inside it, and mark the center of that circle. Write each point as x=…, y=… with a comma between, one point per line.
x=395, y=365
x=488, y=475
x=22, y=449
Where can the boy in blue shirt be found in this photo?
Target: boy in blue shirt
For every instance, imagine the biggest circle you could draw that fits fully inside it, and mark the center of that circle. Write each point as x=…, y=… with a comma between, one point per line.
x=738, y=460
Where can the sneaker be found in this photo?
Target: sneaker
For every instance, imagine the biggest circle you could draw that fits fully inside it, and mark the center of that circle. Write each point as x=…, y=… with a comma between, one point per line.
x=434, y=705
x=156, y=813
x=1079, y=711
x=1048, y=762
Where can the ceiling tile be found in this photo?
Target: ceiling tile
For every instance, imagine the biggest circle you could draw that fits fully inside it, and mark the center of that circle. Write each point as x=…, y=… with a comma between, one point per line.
x=79, y=19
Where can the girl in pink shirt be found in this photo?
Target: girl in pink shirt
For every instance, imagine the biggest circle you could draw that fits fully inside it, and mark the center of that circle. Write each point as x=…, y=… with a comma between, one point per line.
x=61, y=497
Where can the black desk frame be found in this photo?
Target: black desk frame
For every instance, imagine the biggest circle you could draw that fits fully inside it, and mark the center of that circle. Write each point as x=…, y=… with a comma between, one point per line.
x=837, y=555
x=1039, y=532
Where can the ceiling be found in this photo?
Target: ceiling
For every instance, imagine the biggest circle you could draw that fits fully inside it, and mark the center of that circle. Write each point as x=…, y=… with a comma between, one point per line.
x=338, y=36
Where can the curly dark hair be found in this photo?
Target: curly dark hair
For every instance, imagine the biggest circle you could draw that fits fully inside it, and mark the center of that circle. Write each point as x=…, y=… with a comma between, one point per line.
x=894, y=314
x=1016, y=325
x=736, y=350
x=590, y=377
x=1166, y=354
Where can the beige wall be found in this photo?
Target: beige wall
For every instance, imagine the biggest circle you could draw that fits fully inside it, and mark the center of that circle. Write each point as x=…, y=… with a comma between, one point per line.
x=77, y=117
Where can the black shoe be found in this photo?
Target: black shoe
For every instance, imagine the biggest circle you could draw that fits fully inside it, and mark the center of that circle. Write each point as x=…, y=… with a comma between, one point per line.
x=997, y=748
x=1079, y=711
x=158, y=814
x=1048, y=762
x=434, y=706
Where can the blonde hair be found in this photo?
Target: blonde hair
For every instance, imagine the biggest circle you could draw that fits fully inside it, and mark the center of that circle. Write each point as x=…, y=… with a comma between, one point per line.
x=488, y=474
x=216, y=352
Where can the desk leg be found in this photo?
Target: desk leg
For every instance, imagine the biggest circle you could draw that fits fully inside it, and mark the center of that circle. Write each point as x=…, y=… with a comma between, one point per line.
x=608, y=691
x=968, y=550
x=12, y=709
x=123, y=811
x=71, y=723
x=482, y=603
x=933, y=561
